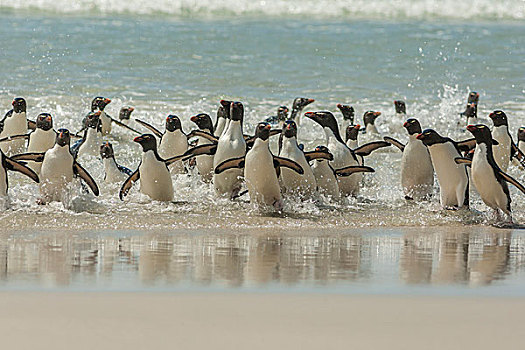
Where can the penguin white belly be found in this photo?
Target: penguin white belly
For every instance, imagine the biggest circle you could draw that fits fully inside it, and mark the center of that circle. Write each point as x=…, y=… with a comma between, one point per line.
x=417, y=172
x=113, y=174
x=325, y=179
x=261, y=179
x=348, y=185
x=56, y=173
x=352, y=144
x=16, y=124
x=91, y=145
x=155, y=179
x=3, y=182
x=106, y=123
x=220, y=126
x=502, y=150
x=485, y=180
x=171, y=145
x=292, y=181
x=205, y=163
x=452, y=177
x=39, y=142
x=231, y=145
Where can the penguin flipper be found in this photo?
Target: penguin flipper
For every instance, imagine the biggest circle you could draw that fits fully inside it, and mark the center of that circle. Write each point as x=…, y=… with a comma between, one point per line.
x=288, y=163
x=31, y=125
x=84, y=175
x=394, y=142
x=250, y=140
x=349, y=170
x=512, y=180
x=516, y=152
x=119, y=123
x=461, y=160
x=230, y=164
x=466, y=145
x=16, y=166
x=124, y=170
x=35, y=157
x=14, y=137
x=368, y=148
x=153, y=129
x=176, y=158
x=208, y=149
x=203, y=134
x=126, y=186
x=318, y=155
x=8, y=114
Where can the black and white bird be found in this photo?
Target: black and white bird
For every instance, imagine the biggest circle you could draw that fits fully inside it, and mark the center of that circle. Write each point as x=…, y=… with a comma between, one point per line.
x=59, y=167
x=506, y=148
x=113, y=172
x=125, y=114
x=89, y=145
x=14, y=123
x=369, y=119
x=487, y=176
x=279, y=119
x=417, y=172
x=400, y=107
x=452, y=178
x=204, y=162
x=348, y=113
x=297, y=108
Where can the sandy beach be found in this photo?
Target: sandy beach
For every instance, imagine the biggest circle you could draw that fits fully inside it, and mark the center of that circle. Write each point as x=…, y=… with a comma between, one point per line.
x=257, y=321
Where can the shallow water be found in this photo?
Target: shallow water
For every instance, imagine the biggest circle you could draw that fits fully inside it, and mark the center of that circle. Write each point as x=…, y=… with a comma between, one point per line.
x=444, y=261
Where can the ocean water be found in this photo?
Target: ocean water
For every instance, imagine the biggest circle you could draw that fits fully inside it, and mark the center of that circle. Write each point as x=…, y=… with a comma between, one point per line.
x=182, y=58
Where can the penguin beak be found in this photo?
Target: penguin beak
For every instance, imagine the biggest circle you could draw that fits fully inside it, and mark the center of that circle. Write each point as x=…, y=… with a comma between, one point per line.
x=194, y=118
x=357, y=126
x=107, y=100
x=491, y=115
x=310, y=100
x=472, y=128
x=138, y=139
x=405, y=124
x=48, y=118
x=377, y=114
x=420, y=137
x=268, y=127
x=13, y=103
x=97, y=113
x=310, y=115
x=131, y=109
x=338, y=106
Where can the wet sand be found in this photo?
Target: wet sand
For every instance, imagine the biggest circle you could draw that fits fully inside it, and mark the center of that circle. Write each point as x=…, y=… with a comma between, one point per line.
x=257, y=321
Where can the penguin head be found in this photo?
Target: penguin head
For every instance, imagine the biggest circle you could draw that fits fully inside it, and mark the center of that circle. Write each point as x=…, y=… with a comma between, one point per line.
x=481, y=133
x=106, y=150
x=237, y=111
x=99, y=103
x=348, y=112
x=499, y=118
x=430, y=137
x=282, y=113
x=44, y=121
x=370, y=117
x=352, y=131
x=19, y=105
x=400, y=107
x=93, y=120
x=300, y=102
x=203, y=121
x=322, y=149
x=413, y=127
x=147, y=141
x=473, y=97
x=63, y=137
x=289, y=129
x=471, y=111
x=173, y=123
x=327, y=121
x=262, y=131
x=125, y=113
x=521, y=134
x=224, y=109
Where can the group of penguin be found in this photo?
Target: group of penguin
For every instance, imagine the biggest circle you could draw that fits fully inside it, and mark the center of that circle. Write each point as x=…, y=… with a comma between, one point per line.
x=227, y=157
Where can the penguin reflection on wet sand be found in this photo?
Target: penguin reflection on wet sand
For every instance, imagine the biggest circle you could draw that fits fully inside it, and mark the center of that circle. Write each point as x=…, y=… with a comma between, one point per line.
x=59, y=167
x=487, y=176
x=417, y=172
x=261, y=170
x=453, y=178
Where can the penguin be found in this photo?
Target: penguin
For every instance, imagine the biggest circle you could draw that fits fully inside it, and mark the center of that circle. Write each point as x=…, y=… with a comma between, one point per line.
x=98, y=104
x=113, y=172
x=506, y=148
x=351, y=136
x=521, y=139
x=325, y=176
x=302, y=184
x=153, y=173
x=343, y=155
x=90, y=142
x=297, y=107
x=348, y=116
x=369, y=119
x=487, y=176
x=14, y=123
x=261, y=169
x=417, y=172
x=400, y=107
x=173, y=142
x=58, y=169
x=223, y=117
x=279, y=119
x=452, y=178
x=204, y=163
x=231, y=144
x=41, y=139
x=125, y=114
x=12, y=165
